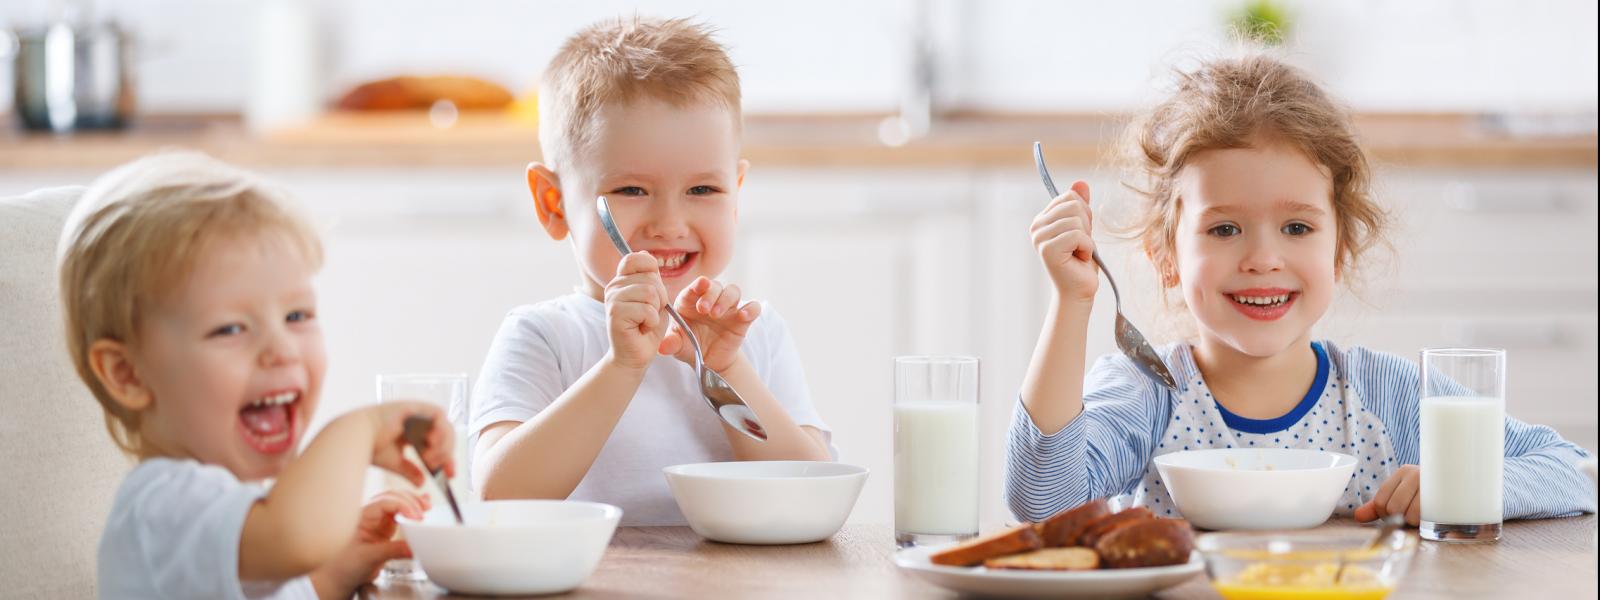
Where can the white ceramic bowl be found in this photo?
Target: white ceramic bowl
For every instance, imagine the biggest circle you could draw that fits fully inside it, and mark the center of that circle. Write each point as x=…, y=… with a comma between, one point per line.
x=513, y=546
x=773, y=502
x=1255, y=488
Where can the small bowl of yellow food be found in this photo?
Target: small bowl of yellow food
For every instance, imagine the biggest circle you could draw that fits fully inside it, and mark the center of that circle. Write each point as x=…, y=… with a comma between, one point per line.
x=1313, y=565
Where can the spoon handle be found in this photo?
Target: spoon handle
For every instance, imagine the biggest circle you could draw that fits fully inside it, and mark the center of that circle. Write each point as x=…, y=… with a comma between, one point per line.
x=416, y=429
x=610, y=225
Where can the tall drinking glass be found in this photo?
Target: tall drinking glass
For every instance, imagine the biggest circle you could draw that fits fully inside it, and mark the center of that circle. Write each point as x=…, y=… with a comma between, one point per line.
x=1463, y=443
x=446, y=390
x=935, y=449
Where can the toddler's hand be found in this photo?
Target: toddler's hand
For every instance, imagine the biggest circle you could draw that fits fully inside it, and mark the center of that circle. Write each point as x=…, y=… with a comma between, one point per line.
x=377, y=522
x=388, y=449
x=636, y=316
x=1061, y=235
x=714, y=312
x=373, y=545
x=1397, y=496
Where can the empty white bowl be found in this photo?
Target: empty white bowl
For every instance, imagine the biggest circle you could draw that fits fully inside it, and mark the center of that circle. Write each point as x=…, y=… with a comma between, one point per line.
x=513, y=546
x=1255, y=488
x=766, y=502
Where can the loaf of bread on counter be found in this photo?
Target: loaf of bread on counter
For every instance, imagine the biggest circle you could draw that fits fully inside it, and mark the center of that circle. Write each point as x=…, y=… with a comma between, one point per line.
x=413, y=92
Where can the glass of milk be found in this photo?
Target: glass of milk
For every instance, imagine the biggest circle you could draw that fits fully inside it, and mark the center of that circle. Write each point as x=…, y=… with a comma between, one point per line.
x=935, y=449
x=1463, y=443
x=449, y=391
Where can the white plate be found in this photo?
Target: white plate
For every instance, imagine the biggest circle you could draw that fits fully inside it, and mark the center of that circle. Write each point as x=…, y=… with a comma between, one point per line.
x=1102, y=583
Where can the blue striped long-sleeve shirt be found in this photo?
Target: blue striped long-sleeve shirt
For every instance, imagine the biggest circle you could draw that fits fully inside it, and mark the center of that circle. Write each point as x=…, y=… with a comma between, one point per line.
x=1107, y=449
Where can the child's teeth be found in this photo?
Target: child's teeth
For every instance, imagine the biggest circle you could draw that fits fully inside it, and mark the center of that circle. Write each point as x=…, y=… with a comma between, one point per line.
x=276, y=399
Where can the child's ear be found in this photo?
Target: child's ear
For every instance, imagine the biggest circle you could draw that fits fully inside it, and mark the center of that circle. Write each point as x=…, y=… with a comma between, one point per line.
x=1166, y=271
x=546, y=190
x=744, y=167
x=113, y=366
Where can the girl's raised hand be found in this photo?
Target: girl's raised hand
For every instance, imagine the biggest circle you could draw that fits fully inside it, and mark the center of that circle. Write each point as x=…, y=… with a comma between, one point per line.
x=1062, y=236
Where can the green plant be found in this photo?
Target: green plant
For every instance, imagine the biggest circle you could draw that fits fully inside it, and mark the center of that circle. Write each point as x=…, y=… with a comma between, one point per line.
x=1262, y=21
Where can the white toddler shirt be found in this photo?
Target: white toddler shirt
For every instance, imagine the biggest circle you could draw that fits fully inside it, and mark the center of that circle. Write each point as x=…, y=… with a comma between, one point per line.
x=174, y=532
x=543, y=349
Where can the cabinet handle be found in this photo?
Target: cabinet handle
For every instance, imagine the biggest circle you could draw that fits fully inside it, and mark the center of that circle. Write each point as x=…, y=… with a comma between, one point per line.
x=1469, y=198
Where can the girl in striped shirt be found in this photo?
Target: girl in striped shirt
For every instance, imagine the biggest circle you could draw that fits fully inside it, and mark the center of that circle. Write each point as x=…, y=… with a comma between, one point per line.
x=1256, y=207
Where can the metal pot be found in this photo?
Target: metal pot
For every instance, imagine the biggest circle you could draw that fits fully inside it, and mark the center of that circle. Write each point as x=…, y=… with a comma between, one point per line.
x=69, y=78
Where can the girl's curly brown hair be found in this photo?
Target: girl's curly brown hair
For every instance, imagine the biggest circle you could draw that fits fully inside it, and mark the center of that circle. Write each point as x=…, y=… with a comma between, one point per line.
x=1230, y=103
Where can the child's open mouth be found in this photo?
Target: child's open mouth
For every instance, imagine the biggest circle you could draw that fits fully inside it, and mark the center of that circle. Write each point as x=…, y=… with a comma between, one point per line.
x=674, y=263
x=1263, y=305
x=268, y=423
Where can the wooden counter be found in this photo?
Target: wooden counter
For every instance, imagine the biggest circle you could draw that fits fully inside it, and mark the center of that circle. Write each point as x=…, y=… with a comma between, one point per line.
x=1535, y=559
x=956, y=141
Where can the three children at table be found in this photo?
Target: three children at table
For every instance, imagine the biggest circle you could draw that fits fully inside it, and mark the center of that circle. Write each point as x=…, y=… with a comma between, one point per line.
x=186, y=285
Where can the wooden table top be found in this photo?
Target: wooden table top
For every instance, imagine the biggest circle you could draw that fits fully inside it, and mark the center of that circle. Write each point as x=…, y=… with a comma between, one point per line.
x=1551, y=558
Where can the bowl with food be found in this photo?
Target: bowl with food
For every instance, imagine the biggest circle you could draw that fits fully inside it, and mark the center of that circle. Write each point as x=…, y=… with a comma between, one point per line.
x=513, y=546
x=1339, y=564
x=1255, y=488
x=766, y=502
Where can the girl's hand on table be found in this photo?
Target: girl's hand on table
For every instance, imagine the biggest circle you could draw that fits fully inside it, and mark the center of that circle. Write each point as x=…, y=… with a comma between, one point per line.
x=1399, y=495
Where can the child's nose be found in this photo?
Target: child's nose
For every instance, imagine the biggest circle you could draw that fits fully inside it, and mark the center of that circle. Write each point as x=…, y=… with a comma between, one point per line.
x=1262, y=256
x=279, y=349
x=667, y=219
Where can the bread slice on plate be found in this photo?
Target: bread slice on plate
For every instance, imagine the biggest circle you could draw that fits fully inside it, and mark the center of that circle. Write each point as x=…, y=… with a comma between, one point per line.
x=1021, y=538
x=1147, y=543
x=1048, y=559
x=1104, y=525
x=1067, y=527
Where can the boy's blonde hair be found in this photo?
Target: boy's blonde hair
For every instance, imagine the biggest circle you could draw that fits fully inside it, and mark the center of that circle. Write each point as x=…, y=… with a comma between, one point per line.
x=617, y=61
x=1228, y=103
x=137, y=232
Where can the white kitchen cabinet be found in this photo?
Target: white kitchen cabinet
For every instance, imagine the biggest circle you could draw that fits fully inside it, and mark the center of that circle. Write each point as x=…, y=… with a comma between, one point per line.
x=867, y=264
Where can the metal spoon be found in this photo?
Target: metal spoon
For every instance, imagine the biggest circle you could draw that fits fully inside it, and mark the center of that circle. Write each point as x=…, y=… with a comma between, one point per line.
x=1129, y=340
x=716, y=390
x=416, y=434
x=1386, y=527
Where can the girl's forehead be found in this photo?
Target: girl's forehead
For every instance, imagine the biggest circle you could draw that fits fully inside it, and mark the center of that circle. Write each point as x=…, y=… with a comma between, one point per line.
x=1264, y=178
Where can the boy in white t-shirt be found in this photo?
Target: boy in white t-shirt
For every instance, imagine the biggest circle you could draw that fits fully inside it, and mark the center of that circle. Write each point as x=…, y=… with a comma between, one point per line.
x=589, y=396
x=186, y=286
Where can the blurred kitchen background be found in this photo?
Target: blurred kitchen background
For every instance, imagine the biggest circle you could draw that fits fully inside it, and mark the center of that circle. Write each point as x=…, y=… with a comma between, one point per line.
x=887, y=208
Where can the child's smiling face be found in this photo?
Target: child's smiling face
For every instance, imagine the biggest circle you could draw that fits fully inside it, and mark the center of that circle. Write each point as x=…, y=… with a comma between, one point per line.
x=1256, y=245
x=233, y=358
x=671, y=175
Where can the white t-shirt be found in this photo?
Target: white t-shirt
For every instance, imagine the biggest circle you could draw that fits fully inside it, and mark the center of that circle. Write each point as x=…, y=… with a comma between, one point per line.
x=174, y=533
x=543, y=349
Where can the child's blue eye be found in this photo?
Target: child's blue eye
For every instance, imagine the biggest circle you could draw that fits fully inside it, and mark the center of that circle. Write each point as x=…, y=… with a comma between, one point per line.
x=630, y=190
x=299, y=315
x=1225, y=230
x=226, y=330
x=1297, y=229
x=702, y=190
